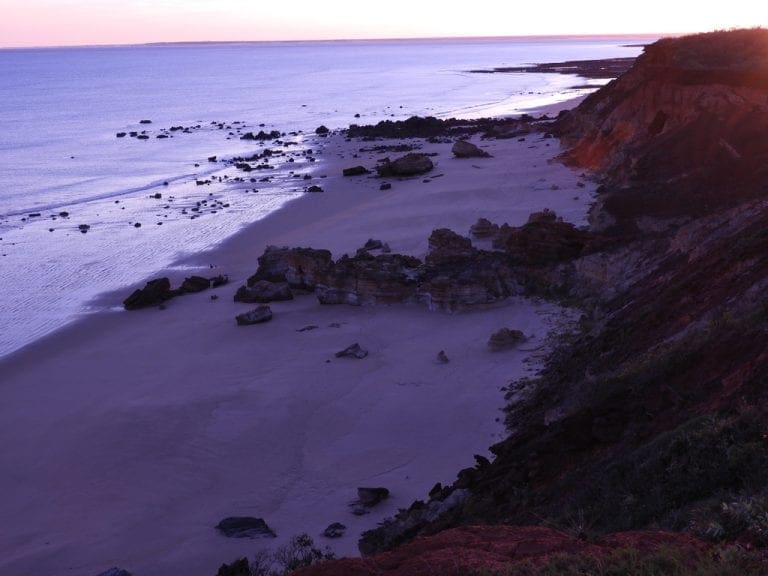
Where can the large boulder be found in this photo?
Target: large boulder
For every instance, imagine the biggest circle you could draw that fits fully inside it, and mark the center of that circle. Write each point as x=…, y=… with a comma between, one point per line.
x=411, y=164
x=155, y=292
x=465, y=149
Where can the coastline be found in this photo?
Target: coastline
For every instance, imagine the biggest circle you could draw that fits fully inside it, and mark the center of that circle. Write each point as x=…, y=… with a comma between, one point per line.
x=178, y=389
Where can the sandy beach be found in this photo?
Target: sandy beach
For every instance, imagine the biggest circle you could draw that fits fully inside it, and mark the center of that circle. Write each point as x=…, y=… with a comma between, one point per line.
x=125, y=438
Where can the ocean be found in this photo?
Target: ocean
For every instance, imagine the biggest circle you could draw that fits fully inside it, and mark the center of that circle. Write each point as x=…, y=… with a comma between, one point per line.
x=64, y=168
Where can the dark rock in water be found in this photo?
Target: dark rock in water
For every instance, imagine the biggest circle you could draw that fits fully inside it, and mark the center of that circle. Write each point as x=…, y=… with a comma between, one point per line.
x=264, y=291
x=505, y=339
x=409, y=165
x=245, y=527
x=335, y=530
x=83, y=228
x=195, y=284
x=299, y=267
x=256, y=316
x=115, y=572
x=121, y=134
x=34, y=215
x=385, y=186
x=483, y=228
x=314, y=188
x=137, y=225
x=367, y=498
x=464, y=149
x=321, y=130
x=133, y=134
x=353, y=351
x=239, y=567
x=212, y=159
x=145, y=121
x=154, y=292
x=157, y=195
x=64, y=214
x=273, y=135
x=355, y=171
x=142, y=137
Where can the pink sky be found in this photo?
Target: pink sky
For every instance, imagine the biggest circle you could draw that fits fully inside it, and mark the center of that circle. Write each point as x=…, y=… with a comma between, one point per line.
x=74, y=22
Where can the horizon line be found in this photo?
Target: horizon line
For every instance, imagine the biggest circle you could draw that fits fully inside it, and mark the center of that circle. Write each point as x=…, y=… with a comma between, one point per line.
x=345, y=40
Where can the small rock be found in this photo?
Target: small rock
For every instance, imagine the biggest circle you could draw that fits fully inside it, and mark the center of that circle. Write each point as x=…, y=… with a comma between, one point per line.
x=314, y=188
x=256, y=316
x=335, y=530
x=367, y=498
x=505, y=339
x=121, y=134
x=321, y=130
x=442, y=358
x=355, y=171
x=115, y=572
x=137, y=225
x=308, y=328
x=245, y=527
x=464, y=149
x=64, y=214
x=145, y=121
x=83, y=228
x=212, y=159
x=385, y=186
x=353, y=351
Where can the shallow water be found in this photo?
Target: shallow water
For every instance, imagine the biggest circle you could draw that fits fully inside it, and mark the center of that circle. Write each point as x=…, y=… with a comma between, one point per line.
x=61, y=109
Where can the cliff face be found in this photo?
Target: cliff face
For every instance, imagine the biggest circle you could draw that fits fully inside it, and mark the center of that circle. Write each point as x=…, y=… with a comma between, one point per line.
x=682, y=132
x=653, y=413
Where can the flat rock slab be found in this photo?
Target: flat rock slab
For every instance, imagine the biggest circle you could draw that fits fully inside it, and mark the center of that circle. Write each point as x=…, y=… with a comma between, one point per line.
x=245, y=527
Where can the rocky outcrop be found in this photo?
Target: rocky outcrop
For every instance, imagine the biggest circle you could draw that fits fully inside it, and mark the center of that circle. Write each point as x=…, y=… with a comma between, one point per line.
x=299, y=267
x=368, y=279
x=638, y=132
x=505, y=339
x=352, y=351
x=412, y=164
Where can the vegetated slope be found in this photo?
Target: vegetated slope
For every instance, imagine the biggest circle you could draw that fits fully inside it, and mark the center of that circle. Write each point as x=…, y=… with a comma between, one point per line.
x=652, y=414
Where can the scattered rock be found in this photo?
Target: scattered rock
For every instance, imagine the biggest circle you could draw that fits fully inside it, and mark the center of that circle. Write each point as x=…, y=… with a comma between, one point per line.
x=258, y=315
x=245, y=527
x=315, y=188
x=64, y=214
x=465, y=149
x=505, y=339
x=321, y=130
x=145, y=121
x=212, y=158
x=355, y=171
x=264, y=291
x=385, y=186
x=121, y=134
x=409, y=165
x=353, y=351
x=83, y=228
x=335, y=530
x=442, y=357
x=483, y=228
x=154, y=292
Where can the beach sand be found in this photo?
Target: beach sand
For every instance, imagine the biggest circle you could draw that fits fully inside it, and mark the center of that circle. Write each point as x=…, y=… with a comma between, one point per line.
x=125, y=438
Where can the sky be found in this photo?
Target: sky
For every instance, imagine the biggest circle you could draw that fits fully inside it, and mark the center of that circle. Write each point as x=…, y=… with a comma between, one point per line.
x=79, y=22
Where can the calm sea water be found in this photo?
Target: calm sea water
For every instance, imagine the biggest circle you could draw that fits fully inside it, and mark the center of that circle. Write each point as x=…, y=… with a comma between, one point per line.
x=60, y=110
